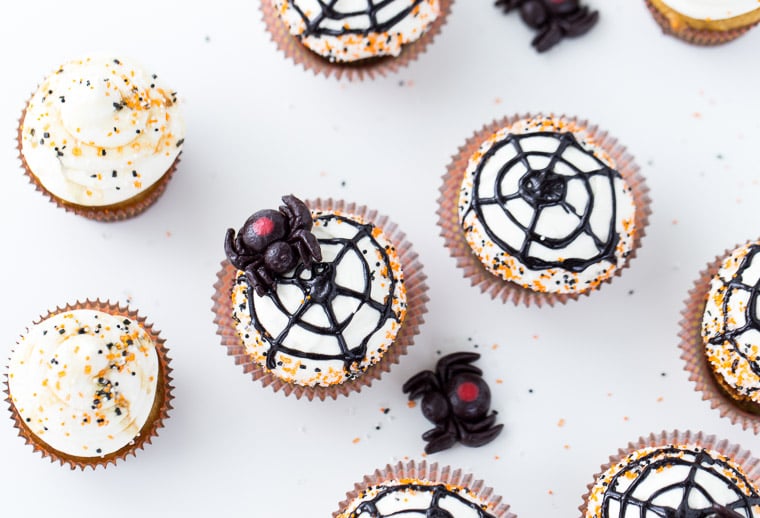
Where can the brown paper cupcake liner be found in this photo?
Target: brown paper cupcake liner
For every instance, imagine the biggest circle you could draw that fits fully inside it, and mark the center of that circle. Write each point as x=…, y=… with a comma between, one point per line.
x=693, y=354
x=416, y=293
x=107, y=213
x=382, y=66
x=459, y=249
x=435, y=475
x=155, y=420
x=740, y=457
x=696, y=36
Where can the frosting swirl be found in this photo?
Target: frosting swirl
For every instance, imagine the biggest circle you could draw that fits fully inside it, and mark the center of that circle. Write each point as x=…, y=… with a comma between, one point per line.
x=731, y=322
x=84, y=381
x=713, y=9
x=542, y=205
x=100, y=130
x=352, y=30
x=328, y=323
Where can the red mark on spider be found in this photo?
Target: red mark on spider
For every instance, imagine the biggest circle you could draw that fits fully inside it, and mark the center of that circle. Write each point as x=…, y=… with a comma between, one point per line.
x=468, y=391
x=263, y=226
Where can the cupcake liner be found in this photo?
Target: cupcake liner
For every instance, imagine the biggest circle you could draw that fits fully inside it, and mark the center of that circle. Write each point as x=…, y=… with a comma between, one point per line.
x=107, y=213
x=696, y=36
x=740, y=457
x=382, y=66
x=693, y=354
x=473, y=269
x=435, y=475
x=155, y=420
x=416, y=293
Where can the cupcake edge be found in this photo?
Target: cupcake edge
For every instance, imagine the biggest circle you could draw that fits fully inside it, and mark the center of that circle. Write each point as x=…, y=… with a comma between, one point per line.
x=742, y=458
x=369, y=68
x=695, y=360
x=429, y=473
x=702, y=37
x=159, y=412
x=416, y=295
x=459, y=249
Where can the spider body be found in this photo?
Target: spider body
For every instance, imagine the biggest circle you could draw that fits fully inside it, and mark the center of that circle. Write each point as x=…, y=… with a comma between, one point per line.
x=554, y=19
x=272, y=242
x=457, y=400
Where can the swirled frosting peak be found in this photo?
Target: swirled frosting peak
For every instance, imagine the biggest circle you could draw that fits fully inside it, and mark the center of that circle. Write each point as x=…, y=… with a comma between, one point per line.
x=84, y=381
x=100, y=130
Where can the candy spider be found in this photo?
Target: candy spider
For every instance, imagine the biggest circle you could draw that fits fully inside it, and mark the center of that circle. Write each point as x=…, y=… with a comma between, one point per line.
x=555, y=19
x=271, y=242
x=457, y=400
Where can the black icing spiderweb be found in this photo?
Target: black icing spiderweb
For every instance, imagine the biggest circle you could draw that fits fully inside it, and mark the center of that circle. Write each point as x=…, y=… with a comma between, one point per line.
x=545, y=188
x=319, y=287
x=751, y=320
x=701, y=468
x=332, y=16
x=434, y=510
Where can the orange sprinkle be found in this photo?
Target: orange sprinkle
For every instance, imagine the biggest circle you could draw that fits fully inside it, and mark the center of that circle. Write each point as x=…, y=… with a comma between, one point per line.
x=356, y=440
x=561, y=422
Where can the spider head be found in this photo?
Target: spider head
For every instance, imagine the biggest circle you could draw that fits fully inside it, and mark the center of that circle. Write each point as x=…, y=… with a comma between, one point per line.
x=279, y=257
x=263, y=228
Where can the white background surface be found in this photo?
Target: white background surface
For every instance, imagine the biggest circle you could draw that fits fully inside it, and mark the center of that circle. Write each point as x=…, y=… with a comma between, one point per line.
x=258, y=127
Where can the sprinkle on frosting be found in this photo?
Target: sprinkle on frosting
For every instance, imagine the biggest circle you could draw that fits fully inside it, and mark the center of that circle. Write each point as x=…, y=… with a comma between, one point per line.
x=675, y=480
x=84, y=381
x=352, y=30
x=731, y=322
x=542, y=205
x=100, y=130
x=416, y=498
x=326, y=324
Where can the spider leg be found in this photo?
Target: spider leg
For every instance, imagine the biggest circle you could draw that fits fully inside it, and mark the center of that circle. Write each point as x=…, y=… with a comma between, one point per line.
x=417, y=385
x=258, y=277
x=442, y=367
x=439, y=439
x=297, y=212
x=508, y=5
x=307, y=246
x=579, y=23
x=481, y=425
x=548, y=37
x=459, y=368
x=482, y=437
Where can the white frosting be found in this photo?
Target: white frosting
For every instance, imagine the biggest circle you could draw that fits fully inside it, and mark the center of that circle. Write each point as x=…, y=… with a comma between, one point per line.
x=735, y=353
x=559, y=221
x=84, y=381
x=101, y=130
x=358, y=320
x=654, y=474
x=349, y=35
x=713, y=9
x=414, y=498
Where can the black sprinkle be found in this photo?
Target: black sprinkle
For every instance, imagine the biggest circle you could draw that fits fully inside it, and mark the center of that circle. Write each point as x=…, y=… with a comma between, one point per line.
x=118, y=106
x=180, y=142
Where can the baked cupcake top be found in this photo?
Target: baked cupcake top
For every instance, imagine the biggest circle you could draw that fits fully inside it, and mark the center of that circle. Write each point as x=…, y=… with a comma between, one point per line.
x=84, y=381
x=712, y=9
x=412, y=497
x=674, y=480
x=542, y=205
x=352, y=30
x=326, y=322
x=731, y=322
x=100, y=130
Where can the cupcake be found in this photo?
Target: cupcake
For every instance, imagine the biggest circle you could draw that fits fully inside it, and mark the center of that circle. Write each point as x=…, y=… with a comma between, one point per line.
x=89, y=384
x=705, y=22
x=541, y=208
x=720, y=335
x=413, y=489
x=101, y=137
x=318, y=302
x=354, y=37
x=676, y=474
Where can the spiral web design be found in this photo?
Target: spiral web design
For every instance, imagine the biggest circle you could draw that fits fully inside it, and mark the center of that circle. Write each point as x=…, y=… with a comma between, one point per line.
x=701, y=470
x=320, y=288
x=751, y=319
x=333, y=18
x=547, y=188
x=442, y=504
